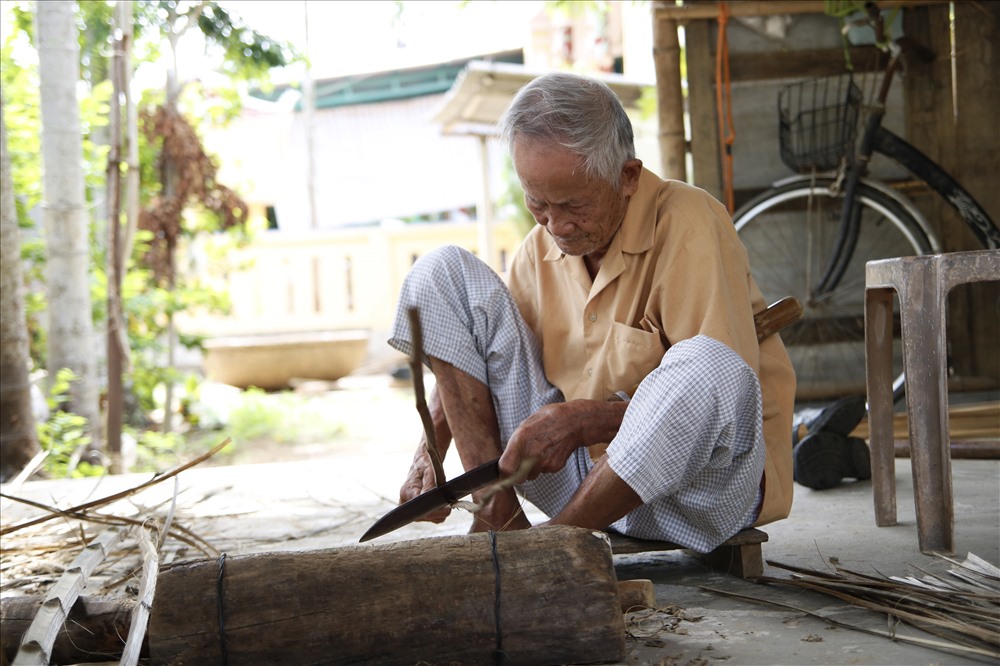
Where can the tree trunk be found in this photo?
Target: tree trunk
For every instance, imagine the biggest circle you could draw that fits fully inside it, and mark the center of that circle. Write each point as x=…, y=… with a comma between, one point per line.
x=542, y=596
x=71, y=340
x=18, y=442
x=115, y=266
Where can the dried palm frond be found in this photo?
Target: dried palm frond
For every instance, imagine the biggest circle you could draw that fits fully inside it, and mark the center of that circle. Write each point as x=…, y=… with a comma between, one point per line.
x=963, y=612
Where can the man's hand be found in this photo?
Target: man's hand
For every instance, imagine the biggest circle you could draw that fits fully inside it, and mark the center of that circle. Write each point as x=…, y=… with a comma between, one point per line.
x=555, y=431
x=419, y=480
x=549, y=436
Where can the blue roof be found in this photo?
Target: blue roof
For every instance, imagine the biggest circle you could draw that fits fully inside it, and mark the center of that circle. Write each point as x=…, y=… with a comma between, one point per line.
x=389, y=85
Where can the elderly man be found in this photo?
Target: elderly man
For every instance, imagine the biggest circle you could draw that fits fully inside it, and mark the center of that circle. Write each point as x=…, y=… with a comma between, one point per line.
x=622, y=358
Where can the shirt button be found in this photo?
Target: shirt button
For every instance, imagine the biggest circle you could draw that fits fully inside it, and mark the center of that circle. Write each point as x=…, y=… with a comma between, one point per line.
x=590, y=371
x=593, y=316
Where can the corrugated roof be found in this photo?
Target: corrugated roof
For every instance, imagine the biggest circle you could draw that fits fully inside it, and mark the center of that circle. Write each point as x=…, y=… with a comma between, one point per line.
x=483, y=90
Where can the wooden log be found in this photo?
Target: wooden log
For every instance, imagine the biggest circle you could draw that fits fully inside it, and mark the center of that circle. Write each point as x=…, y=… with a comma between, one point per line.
x=96, y=626
x=542, y=596
x=94, y=631
x=636, y=594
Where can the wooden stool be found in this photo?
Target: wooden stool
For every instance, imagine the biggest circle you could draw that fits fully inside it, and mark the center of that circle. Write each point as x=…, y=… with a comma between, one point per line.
x=740, y=555
x=923, y=284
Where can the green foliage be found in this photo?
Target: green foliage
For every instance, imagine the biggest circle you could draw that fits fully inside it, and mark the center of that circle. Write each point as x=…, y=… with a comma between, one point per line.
x=64, y=434
x=281, y=417
x=156, y=451
x=95, y=20
x=248, y=53
x=510, y=202
x=245, y=54
x=19, y=85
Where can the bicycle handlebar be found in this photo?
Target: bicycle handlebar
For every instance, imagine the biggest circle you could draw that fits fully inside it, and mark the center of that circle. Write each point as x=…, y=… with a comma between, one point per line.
x=896, y=48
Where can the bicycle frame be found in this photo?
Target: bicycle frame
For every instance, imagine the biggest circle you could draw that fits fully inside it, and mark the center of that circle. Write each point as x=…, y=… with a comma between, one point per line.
x=878, y=139
x=940, y=181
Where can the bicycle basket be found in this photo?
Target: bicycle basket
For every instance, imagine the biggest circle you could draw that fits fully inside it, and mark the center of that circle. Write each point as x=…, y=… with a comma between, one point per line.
x=817, y=122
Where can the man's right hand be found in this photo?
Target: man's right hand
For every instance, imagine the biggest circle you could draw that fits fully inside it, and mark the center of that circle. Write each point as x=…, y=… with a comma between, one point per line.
x=419, y=480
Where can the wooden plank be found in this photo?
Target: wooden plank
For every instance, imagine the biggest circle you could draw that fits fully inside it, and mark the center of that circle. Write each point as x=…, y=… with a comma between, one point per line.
x=978, y=421
x=986, y=449
x=977, y=146
x=426, y=600
x=950, y=115
x=740, y=555
x=804, y=64
x=746, y=8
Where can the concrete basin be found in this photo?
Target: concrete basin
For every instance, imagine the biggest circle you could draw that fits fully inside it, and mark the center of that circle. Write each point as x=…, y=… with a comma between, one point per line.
x=270, y=361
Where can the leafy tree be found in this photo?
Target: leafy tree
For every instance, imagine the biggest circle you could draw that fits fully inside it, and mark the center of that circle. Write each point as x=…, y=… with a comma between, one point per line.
x=243, y=53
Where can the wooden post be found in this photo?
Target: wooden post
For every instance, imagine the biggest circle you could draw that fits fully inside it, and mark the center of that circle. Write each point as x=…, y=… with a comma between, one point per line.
x=542, y=596
x=670, y=98
x=964, y=145
x=977, y=30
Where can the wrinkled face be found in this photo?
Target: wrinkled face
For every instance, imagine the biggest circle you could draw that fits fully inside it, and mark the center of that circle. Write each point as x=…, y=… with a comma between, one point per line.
x=580, y=213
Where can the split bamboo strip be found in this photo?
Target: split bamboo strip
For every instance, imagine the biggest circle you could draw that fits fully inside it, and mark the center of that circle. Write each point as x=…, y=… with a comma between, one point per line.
x=36, y=645
x=913, y=640
x=967, y=617
x=147, y=589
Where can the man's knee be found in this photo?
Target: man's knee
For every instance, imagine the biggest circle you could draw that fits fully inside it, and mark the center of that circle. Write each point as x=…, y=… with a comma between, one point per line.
x=443, y=267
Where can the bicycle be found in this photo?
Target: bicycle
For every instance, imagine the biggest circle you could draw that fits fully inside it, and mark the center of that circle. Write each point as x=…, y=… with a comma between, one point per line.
x=850, y=219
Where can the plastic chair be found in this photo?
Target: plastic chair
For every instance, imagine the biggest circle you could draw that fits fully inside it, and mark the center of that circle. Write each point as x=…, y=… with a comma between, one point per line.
x=923, y=284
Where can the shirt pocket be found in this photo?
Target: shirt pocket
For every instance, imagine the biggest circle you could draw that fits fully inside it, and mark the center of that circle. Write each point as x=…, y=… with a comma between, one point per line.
x=632, y=353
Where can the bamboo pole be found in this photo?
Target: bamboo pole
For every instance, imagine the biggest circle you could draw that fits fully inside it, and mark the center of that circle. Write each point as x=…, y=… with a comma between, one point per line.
x=670, y=99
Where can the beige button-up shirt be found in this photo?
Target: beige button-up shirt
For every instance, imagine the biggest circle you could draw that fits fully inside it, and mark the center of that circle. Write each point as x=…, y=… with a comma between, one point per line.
x=675, y=269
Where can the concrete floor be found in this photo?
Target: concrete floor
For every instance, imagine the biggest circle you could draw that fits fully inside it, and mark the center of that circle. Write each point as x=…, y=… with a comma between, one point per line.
x=836, y=524
x=324, y=498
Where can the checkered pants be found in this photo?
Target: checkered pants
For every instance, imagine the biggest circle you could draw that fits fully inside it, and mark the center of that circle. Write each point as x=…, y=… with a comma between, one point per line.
x=690, y=444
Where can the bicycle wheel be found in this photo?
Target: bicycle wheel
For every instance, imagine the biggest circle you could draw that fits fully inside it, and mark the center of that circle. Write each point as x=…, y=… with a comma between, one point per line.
x=789, y=233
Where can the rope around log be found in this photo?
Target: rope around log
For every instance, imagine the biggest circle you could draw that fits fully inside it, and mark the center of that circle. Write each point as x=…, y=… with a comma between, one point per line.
x=220, y=602
x=501, y=656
